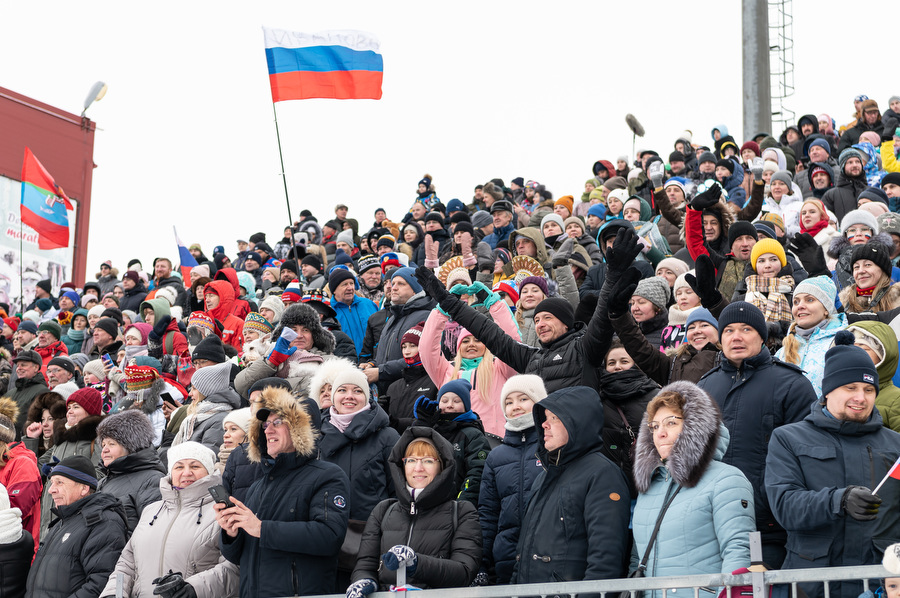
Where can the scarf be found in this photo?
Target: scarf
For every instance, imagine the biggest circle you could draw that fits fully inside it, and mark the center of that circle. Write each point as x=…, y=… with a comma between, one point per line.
x=205, y=410
x=816, y=228
x=342, y=420
x=805, y=333
x=412, y=362
x=768, y=294
x=76, y=335
x=470, y=364
x=520, y=423
x=860, y=292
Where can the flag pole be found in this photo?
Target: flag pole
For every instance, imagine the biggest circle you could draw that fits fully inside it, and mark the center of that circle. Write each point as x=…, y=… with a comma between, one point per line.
x=284, y=180
x=21, y=260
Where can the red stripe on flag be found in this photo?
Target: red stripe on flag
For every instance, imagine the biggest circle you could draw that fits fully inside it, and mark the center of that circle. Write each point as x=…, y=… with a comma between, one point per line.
x=50, y=235
x=338, y=85
x=895, y=470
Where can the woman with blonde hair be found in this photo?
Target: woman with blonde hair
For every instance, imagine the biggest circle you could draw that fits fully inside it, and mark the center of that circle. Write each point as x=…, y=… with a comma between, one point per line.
x=811, y=334
x=473, y=361
x=213, y=398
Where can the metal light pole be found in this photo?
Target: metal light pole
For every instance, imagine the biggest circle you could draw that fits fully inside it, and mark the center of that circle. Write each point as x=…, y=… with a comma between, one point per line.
x=756, y=73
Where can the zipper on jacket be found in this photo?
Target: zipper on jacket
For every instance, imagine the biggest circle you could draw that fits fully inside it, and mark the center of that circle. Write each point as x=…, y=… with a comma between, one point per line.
x=326, y=505
x=162, y=556
x=294, y=580
x=871, y=466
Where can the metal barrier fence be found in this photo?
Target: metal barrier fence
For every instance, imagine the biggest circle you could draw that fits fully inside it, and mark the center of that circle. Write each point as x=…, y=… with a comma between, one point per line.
x=700, y=585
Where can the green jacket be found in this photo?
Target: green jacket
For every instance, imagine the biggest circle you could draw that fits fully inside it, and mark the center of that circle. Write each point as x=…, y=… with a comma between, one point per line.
x=888, y=400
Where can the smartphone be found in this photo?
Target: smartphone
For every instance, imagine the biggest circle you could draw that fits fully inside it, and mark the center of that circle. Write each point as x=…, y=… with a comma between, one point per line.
x=107, y=360
x=220, y=495
x=167, y=398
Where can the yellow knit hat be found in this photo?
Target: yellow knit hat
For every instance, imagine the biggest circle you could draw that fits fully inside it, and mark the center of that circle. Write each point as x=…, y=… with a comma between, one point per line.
x=764, y=246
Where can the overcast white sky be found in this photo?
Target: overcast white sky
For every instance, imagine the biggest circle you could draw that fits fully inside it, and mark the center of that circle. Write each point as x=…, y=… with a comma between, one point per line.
x=472, y=90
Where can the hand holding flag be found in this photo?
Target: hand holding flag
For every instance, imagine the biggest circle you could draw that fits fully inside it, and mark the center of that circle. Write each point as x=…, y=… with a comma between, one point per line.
x=893, y=472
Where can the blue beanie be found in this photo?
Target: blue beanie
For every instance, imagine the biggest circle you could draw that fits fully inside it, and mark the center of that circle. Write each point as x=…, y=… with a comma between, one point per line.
x=460, y=388
x=149, y=361
x=700, y=314
x=821, y=143
x=598, y=210
x=454, y=205
x=73, y=297
x=409, y=275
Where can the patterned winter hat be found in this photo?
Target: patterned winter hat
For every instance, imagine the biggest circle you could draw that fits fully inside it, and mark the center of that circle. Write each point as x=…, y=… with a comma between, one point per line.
x=254, y=321
x=139, y=377
x=201, y=320
x=292, y=293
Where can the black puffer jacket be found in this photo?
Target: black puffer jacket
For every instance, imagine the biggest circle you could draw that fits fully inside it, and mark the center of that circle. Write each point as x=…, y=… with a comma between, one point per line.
x=362, y=451
x=134, y=480
x=624, y=393
x=756, y=398
x=15, y=559
x=133, y=298
x=240, y=473
x=576, y=523
x=402, y=394
x=80, y=550
x=652, y=329
x=302, y=503
x=841, y=198
x=447, y=556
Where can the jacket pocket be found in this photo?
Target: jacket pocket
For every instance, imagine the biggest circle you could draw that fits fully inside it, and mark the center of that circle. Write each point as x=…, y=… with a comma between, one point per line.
x=813, y=548
x=819, y=453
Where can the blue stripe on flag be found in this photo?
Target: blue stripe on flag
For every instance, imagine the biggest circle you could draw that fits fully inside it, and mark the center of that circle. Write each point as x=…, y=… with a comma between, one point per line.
x=322, y=59
x=35, y=199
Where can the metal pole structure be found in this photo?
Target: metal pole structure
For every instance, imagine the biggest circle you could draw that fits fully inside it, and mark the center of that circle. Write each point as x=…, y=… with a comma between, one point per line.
x=284, y=180
x=756, y=73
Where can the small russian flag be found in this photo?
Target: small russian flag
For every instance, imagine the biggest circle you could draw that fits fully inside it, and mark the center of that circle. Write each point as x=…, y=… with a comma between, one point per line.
x=342, y=65
x=187, y=260
x=893, y=472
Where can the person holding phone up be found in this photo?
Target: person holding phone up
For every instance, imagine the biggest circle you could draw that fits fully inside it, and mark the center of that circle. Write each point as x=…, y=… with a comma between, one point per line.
x=178, y=536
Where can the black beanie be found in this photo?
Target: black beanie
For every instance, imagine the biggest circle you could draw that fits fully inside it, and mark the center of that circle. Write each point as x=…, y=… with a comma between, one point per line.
x=846, y=363
x=876, y=253
x=558, y=307
x=311, y=260
x=270, y=383
x=339, y=275
x=676, y=156
x=108, y=325
x=290, y=265
x=77, y=468
x=460, y=217
x=741, y=312
x=45, y=285
x=464, y=227
x=434, y=216
x=210, y=348
x=726, y=163
x=739, y=229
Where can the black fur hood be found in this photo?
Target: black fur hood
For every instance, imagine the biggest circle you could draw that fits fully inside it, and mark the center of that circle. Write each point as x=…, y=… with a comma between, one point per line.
x=301, y=314
x=702, y=439
x=840, y=243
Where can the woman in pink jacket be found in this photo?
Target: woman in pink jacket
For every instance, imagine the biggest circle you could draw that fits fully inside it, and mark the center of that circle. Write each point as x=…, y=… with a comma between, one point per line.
x=473, y=361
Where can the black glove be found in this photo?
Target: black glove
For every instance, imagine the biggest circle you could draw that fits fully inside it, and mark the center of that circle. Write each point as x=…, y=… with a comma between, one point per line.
x=860, y=503
x=617, y=304
x=890, y=126
x=707, y=199
x=561, y=258
x=432, y=284
x=623, y=251
x=810, y=254
x=704, y=283
x=173, y=585
x=159, y=328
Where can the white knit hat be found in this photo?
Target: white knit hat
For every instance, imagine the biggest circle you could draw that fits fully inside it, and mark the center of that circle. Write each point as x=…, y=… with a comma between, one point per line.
x=191, y=450
x=240, y=418
x=351, y=376
x=528, y=384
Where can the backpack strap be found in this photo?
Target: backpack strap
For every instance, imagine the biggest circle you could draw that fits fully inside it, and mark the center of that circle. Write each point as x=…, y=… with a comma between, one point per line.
x=169, y=342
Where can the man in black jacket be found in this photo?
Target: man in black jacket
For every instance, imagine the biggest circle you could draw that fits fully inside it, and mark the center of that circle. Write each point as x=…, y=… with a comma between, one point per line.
x=576, y=525
x=569, y=352
x=81, y=549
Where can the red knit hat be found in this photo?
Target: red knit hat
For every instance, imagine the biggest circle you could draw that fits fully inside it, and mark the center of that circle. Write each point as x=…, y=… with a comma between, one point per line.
x=89, y=399
x=413, y=335
x=12, y=322
x=752, y=145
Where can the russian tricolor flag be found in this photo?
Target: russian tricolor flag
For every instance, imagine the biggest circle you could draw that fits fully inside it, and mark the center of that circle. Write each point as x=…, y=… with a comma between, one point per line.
x=342, y=65
x=187, y=260
x=44, y=204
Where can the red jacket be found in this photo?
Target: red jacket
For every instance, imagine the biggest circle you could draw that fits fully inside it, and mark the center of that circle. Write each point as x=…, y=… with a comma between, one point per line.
x=179, y=344
x=20, y=474
x=240, y=308
x=49, y=352
x=232, y=326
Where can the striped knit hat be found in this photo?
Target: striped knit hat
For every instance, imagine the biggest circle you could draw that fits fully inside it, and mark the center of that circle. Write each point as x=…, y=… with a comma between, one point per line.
x=292, y=293
x=201, y=320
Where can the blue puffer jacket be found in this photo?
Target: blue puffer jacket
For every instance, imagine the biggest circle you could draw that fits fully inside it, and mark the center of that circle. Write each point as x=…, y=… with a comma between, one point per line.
x=810, y=464
x=755, y=399
x=353, y=318
x=509, y=473
x=812, y=350
x=362, y=451
x=707, y=527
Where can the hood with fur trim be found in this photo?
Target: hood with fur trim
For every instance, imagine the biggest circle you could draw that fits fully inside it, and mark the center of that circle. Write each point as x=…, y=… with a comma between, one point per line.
x=51, y=401
x=294, y=415
x=10, y=408
x=86, y=429
x=702, y=438
x=840, y=242
x=726, y=217
x=301, y=314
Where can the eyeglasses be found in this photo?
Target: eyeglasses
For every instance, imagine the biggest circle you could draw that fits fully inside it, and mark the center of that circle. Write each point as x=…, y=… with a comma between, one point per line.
x=668, y=423
x=275, y=422
x=427, y=462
